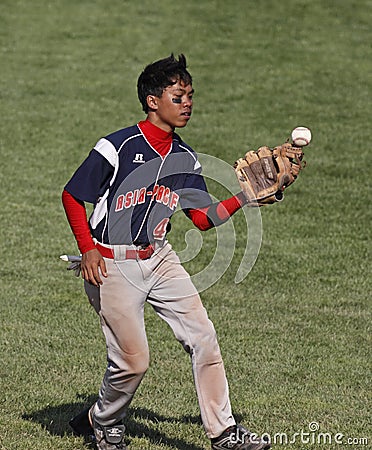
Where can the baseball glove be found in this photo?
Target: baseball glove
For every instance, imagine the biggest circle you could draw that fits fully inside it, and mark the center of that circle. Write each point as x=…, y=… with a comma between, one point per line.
x=263, y=174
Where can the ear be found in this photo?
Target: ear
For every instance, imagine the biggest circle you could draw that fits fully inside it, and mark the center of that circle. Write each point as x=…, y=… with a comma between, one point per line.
x=152, y=102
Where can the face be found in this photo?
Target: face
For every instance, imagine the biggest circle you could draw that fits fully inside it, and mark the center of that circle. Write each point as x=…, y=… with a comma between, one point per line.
x=173, y=109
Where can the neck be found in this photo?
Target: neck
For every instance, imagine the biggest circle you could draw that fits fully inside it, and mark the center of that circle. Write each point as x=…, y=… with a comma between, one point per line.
x=154, y=119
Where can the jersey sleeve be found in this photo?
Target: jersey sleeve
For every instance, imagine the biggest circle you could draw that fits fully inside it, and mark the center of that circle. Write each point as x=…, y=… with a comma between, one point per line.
x=92, y=178
x=198, y=205
x=195, y=194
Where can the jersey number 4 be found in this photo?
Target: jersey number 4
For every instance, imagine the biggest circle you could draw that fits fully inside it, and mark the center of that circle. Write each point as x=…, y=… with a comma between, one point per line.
x=161, y=229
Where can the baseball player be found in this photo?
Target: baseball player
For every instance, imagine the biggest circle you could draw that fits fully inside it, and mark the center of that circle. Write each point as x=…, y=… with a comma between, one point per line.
x=135, y=178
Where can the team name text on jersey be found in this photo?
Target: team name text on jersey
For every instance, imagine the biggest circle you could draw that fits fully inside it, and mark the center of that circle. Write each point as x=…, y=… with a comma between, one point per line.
x=160, y=194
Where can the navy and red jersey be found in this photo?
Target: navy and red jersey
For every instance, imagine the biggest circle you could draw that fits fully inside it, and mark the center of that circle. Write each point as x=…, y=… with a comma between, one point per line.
x=135, y=189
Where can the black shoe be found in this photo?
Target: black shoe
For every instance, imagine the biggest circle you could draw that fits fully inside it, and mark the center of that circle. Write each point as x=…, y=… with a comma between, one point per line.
x=82, y=425
x=105, y=438
x=239, y=438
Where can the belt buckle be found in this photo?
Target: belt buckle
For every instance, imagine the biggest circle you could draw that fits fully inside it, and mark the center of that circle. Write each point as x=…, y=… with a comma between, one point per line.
x=145, y=253
x=141, y=253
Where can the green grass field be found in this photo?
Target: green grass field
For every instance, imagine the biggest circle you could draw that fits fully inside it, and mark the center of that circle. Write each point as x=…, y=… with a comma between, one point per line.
x=296, y=333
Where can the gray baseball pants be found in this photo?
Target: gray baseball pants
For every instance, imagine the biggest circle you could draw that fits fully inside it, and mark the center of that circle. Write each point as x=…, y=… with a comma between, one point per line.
x=162, y=282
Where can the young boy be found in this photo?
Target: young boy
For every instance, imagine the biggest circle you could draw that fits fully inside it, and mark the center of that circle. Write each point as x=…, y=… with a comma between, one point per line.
x=135, y=178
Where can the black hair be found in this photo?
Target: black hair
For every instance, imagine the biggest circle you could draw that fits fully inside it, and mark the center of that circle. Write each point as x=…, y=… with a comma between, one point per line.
x=158, y=75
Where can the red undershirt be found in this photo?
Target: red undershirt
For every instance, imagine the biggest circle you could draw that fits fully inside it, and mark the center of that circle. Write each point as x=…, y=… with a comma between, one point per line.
x=161, y=141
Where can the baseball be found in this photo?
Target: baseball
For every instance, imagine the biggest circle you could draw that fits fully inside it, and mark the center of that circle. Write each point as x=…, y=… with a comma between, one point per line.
x=301, y=136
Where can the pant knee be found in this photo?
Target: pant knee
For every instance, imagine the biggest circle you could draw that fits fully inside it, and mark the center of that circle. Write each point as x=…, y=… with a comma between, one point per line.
x=138, y=364
x=129, y=365
x=208, y=349
x=205, y=348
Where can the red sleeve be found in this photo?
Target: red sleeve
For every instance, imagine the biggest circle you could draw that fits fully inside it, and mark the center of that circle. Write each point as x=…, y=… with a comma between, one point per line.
x=77, y=218
x=216, y=213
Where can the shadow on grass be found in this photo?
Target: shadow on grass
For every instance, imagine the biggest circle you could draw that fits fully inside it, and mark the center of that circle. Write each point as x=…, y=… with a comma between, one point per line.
x=55, y=419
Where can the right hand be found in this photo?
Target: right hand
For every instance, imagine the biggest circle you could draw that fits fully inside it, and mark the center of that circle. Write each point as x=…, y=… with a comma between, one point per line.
x=93, y=266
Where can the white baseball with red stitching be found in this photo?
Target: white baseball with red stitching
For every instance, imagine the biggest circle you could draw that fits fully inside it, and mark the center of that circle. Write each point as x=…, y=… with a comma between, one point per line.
x=301, y=136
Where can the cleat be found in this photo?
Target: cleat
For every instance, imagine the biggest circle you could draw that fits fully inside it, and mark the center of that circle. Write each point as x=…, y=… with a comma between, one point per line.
x=108, y=437
x=81, y=424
